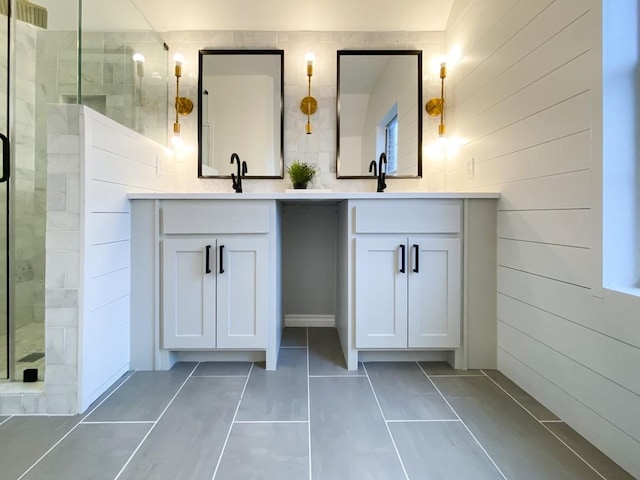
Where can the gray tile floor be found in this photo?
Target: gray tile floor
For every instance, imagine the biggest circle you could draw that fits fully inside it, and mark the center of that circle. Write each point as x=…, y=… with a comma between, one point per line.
x=309, y=419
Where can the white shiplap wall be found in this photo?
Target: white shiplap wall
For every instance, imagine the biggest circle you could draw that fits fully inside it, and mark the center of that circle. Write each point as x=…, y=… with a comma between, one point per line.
x=526, y=99
x=115, y=161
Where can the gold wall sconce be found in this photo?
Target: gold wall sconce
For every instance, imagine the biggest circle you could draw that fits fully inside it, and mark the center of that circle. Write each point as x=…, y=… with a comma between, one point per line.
x=309, y=105
x=435, y=106
x=183, y=105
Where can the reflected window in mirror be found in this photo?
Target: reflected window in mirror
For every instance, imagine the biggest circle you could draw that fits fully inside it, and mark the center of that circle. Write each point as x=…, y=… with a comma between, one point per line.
x=241, y=105
x=391, y=145
x=379, y=111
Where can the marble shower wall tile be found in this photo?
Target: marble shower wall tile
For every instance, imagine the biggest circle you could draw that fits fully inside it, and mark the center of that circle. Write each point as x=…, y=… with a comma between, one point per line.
x=63, y=271
x=108, y=77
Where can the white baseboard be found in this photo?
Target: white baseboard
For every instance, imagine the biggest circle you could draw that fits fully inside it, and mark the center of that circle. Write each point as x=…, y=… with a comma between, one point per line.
x=309, y=321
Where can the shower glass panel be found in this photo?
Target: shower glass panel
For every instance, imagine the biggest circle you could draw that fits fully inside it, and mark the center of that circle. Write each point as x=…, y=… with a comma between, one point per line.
x=44, y=59
x=60, y=51
x=124, y=67
x=4, y=131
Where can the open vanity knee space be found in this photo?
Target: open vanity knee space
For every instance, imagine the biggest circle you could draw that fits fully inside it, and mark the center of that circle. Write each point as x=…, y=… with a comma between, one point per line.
x=408, y=276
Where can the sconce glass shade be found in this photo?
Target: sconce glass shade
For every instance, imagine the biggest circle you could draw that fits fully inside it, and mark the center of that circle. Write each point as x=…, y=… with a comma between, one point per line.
x=178, y=58
x=138, y=58
x=309, y=58
x=176, y=141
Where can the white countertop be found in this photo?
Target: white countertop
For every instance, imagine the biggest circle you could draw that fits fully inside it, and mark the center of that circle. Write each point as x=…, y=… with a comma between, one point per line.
x=314, y=195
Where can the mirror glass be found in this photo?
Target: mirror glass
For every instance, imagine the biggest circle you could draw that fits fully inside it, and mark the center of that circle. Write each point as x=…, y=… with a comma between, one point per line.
x=379, y=110
x=240, y=93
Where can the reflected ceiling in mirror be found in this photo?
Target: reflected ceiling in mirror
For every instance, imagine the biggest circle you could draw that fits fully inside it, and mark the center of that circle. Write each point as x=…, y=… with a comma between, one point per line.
x=240, y=94
x=379, y=110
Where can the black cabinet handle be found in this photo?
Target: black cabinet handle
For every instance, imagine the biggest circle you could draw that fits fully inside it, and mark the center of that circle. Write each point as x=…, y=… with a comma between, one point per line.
x=6, y=158
x=416, y=269
x=207, y=267
x=221, y=258
x=403, y=259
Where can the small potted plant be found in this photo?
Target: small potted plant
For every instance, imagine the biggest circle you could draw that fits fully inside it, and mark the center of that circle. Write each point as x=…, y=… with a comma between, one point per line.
x=301, y=174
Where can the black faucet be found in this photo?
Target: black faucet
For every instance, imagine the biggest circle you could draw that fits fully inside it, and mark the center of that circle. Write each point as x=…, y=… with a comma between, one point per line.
x=242, y=170
x=380, y=171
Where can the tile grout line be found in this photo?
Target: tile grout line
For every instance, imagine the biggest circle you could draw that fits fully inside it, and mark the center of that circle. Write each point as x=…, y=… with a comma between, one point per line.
x=73, y=428
x=337, y=376
x=308, y=403
x=267, y=422
x=108, y=396
x=6, y=420
x=42, y=415
x=123, y=422
x=155, y=423
x=219, y=376
x=455, y=420
x=545, y=427
x=574, y=452
x=235, y=414
x=385, y=422
x=462, y=422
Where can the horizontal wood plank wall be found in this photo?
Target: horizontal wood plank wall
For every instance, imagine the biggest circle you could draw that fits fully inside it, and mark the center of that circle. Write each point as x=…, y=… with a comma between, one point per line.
x=522, y=98
x=116, y=161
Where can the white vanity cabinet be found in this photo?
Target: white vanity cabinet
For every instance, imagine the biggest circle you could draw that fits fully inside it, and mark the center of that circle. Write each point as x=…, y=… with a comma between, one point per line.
x=415, y=275
x=188, y=294
x=215, y=292
x=215, y=275
x=407, y=292
x=205, y=280
x=407, y=275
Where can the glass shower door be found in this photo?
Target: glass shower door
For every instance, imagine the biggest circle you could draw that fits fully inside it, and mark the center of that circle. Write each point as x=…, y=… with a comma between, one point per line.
x=22, y=194
x=4, y=138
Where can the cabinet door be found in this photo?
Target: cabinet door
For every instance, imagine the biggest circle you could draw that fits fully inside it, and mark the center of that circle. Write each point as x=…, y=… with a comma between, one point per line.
x=243, y=302
x=188, y=293
x=434, y=292
x=381, y=292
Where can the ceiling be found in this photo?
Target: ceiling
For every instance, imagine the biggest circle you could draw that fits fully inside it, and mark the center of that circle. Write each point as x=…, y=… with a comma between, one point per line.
x=296, y=15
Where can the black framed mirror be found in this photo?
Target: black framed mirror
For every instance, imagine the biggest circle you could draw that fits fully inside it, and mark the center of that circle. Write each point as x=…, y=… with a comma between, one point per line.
x=379, y=109
x=241, y=100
